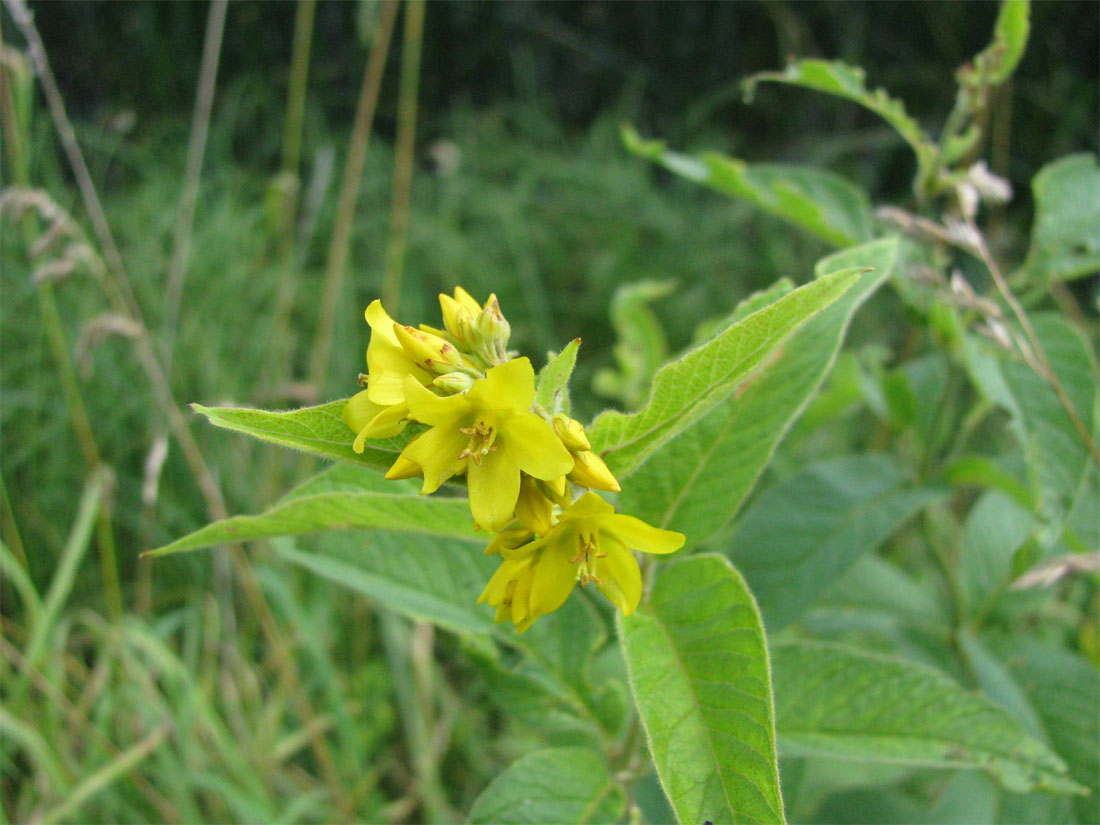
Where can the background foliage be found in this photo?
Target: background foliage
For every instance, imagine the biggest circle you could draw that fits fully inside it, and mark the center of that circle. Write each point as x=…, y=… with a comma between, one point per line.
x=349, y=677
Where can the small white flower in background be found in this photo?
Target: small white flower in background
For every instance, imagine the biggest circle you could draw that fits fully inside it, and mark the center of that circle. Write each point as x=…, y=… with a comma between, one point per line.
x=992, y=188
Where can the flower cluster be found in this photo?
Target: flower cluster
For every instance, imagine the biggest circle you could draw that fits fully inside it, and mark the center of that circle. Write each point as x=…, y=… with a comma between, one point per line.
x=520, y=462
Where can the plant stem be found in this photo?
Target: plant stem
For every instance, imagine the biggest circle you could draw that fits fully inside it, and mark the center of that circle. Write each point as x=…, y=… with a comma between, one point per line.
x=1042, y=366
x=349, y=195
x=403, y=156
x=196, y=150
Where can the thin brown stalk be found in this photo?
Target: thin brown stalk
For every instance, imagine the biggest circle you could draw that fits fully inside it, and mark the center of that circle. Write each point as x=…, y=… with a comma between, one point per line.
x=1042, y=363
x=403, y=155
x=118, y=289
x=349, y=195
x=196, y=151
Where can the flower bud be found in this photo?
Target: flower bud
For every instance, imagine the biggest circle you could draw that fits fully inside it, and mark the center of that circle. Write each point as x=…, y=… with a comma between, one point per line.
x=589, y=470
x=428, y=350
x=571, y=433
x=458, y=320
x=492, y=326
x=454, y=382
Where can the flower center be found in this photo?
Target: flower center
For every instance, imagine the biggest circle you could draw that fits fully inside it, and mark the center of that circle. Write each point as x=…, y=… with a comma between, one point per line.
x=588, y=552
x=482, y=435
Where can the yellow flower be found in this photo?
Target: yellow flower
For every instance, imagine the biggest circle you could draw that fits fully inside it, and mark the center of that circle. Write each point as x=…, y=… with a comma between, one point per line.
x=388, y=362
x=589, y=470
x=370, y=420
x=590, y=542
x=487, y=432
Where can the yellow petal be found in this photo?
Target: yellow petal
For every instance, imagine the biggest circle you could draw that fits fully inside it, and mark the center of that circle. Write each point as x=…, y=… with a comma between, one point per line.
x=533, y=509
x=450, y=413
x=381, y=323
x=587, y=506
x=436, y=451
x=508, y=386
x=387, y=423
x=494, y=488
x=635, y=533
x=403, y=468
x=552, y=580
x=532, y=445
x=464, y=298
x=620, y=576
x=590, y=471
x=359, y=411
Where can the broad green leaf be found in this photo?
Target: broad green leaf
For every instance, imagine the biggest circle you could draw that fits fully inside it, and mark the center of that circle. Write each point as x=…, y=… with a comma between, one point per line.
x=640, y=348
x=686, y=389
x=824, y=203
x=838, y=702
x=1065, y=238
x=318, y=430
x=996, y=527
x=800, y=535
x=553, y=383
x=1064, y=689
x=426, y=578
x=341, y=498
x=698, y=668
x=554, y=785
x=696, y=482
x=849, y=82
x=1057, y=456
x=996, y=62
x=753, y=303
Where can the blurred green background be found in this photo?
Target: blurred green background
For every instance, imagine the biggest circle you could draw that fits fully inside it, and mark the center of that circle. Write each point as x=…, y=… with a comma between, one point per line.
x=193, y=704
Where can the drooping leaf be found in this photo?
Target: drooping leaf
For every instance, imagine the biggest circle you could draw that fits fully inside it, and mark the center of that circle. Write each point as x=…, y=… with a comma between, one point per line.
x=552, y=393
x=824, y=203
x=698, y=668
x=841, y=703
x=696, y=482
x=849, y=82
x=340, y=498
x=318, y=430
x=686, y=389
x=801, y=534
x=1065, y=238
x=559, y=785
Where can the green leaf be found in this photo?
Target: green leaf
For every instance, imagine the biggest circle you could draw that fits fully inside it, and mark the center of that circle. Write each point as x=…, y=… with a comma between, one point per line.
x=686, y=389
x=746, y=307
x=340, y=498
x=641, y=347
x=558, y=785
x=838, y=702
x=800, y=535
x=318, y=430
x=696, y=482
x=995, y=64
x=824, y=203
x=698, y=669
x=426, y=578
x=1065, y=238
x=1064, y=689
x=996, y=527
x=552, y=393
x=849, y=82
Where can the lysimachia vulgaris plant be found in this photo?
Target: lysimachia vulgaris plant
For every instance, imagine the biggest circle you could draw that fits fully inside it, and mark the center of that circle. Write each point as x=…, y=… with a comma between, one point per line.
x=520, y=462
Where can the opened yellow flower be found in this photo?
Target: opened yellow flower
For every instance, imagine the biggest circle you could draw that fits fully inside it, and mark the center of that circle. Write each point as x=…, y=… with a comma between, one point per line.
x=590, y=542
x=488, y=432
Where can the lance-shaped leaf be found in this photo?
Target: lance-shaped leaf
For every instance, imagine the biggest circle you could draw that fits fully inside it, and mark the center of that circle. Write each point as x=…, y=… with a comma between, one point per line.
x=552, y=393
x=559, y=785
x=698, y=668
x=824, y=203
x=849, y=82
x=318, y=430
x=340, y=498
x=696, y=482
x=686, y=389
x=996, y=62
x=837, y=702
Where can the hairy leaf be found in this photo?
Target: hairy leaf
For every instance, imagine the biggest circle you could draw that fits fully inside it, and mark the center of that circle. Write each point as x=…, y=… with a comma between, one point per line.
x=552, y=393
x=837, y=702
x=686, y=389
x=698, y=668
